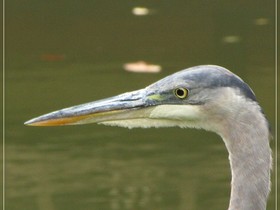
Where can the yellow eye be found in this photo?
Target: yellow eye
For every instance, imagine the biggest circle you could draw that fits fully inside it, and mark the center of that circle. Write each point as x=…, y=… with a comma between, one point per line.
x=181, y=93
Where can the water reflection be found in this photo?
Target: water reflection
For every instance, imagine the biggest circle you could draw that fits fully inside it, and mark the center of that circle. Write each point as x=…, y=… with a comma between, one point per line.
x=140, y=11
x=115, y=174
x=262, y=21
x=142, y=67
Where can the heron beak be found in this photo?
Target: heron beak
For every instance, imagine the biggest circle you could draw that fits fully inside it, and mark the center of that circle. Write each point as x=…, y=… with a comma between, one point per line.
x=132, y=105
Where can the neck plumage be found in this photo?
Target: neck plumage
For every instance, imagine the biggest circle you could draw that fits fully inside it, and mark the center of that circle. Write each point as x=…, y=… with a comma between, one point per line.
x=247, y=139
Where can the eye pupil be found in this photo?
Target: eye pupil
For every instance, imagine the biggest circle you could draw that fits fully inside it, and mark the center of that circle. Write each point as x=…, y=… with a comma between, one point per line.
x=181, y=93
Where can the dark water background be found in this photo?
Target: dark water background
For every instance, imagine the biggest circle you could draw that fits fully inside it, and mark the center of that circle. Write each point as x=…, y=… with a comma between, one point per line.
x=62, y=53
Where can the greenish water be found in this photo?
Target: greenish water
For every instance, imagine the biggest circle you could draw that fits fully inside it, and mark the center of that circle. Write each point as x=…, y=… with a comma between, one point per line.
x=63, y=53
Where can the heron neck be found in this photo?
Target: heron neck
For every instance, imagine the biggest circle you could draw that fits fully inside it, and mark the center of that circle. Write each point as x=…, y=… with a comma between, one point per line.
x=247, y=141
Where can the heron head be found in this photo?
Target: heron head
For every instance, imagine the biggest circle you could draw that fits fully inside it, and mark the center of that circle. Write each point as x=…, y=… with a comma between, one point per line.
x=187, y=98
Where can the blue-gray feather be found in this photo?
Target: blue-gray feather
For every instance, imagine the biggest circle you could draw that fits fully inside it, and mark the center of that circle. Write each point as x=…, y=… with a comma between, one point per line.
x=207, y=76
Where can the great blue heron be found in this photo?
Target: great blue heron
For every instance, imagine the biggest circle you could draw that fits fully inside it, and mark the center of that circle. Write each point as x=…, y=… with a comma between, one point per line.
x=208, y=97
